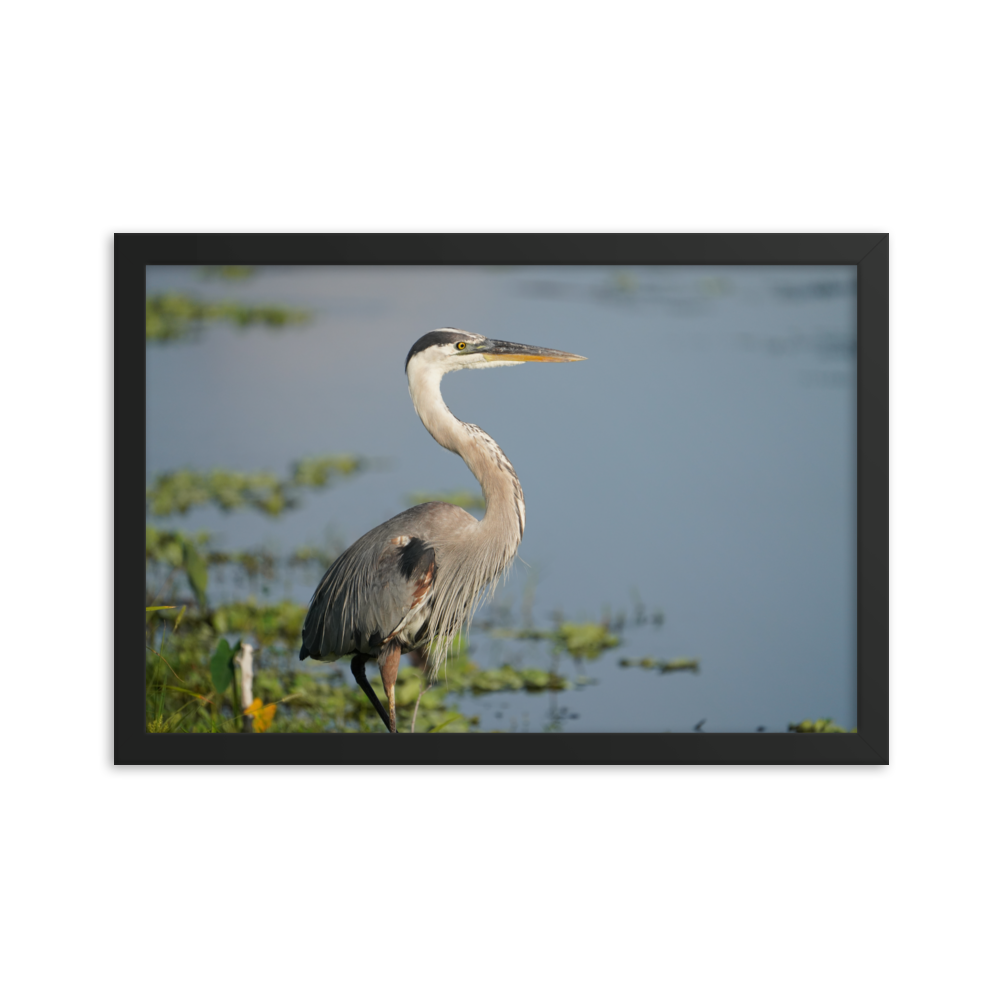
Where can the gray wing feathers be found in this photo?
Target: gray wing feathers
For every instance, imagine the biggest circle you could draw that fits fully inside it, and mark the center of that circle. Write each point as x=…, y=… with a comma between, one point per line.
x=366, y=595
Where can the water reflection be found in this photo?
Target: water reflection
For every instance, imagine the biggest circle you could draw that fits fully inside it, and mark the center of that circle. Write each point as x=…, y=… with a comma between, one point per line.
x=822, y=344
x=678, y=288
x=818, y=289
x=631, y=288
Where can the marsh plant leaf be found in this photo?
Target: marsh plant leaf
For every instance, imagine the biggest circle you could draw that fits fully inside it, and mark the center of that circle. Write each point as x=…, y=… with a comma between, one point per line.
x=454, y=717
x=221, y=667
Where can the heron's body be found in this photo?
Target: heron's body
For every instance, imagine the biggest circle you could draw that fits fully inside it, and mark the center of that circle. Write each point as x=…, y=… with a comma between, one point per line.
x=385, y=586
x=421, y=574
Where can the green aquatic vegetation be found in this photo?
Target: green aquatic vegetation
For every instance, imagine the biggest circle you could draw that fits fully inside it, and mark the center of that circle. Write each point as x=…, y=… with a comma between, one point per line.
x=584, y=640
x=819, y=726
x=177, y=492
x=664, y=666
x=173, y=317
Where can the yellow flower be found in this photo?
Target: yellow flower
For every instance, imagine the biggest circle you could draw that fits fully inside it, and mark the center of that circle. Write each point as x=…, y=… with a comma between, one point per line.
x=263, y=715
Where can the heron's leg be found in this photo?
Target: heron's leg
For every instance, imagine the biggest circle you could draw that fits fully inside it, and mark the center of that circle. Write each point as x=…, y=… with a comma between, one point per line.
x=388, y=665
x=358, y=669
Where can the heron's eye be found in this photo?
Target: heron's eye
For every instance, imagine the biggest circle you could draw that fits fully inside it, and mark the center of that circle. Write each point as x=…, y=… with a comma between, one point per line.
x=461, y=346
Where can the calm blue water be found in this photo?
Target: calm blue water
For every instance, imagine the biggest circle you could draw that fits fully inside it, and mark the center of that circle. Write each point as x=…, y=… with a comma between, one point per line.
x=699, y=463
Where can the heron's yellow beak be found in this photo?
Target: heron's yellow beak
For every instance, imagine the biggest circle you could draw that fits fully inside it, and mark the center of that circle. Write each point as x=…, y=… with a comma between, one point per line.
x=502, y=350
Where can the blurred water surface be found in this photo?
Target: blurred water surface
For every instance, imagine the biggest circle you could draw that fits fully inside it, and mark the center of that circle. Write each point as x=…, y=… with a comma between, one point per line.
x=695, y=475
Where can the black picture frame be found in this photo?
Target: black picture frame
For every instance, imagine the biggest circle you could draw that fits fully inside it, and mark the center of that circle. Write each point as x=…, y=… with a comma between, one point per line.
x=868, y=251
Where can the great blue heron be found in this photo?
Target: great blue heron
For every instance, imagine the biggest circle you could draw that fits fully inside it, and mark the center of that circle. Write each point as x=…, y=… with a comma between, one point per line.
x=421, y=575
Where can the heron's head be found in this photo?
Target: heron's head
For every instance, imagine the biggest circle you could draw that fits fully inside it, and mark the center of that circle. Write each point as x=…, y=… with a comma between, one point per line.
x=448, y=350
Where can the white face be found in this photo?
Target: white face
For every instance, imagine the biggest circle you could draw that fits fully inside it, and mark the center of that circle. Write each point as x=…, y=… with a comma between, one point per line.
x=471, y=350
x=427, y=366
x=451, y=357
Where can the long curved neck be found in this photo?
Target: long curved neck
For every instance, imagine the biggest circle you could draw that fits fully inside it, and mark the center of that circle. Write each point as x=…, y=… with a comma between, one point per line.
x=484, y=457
